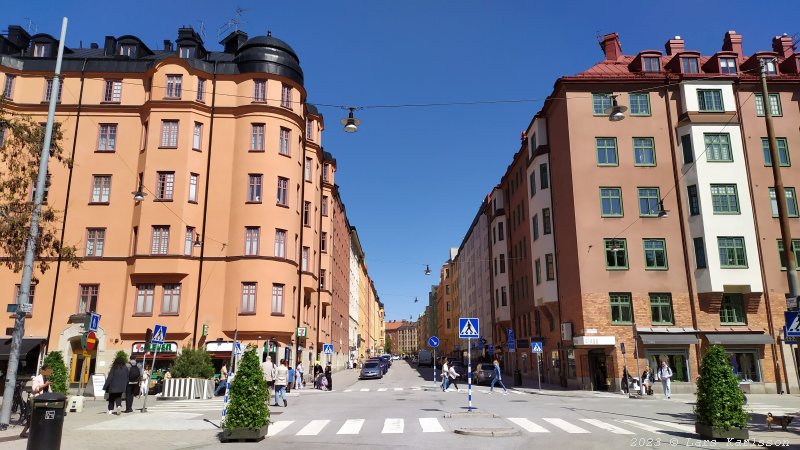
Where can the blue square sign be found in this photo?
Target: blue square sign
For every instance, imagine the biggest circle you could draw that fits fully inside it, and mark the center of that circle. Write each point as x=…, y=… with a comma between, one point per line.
x=327, y=349
x=468, y=328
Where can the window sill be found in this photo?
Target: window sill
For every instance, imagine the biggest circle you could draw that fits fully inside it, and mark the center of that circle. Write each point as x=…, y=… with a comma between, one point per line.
x=789, y=216
x=733, y=267
x=199, y=150
x=611, y=217
x=289, y=107
x=278, y=314
x=252, y=202
x=641, y=115
x=98, y=203
x=256, y=150
x=168, y=147
x=727, y=213
x=168, y=314
x=607, y=165
x=734, y=324
x=282, y=205
x=251, y=255
x=172, y=98
x=93, y=257
x=259, y=102
x=114, y=150
x=110, y=102
x=162, y=200
x=142, y=314
x=656, y=269
x=782, y=165
x=622, y=323
x=287, y=155
x=247, y=313
x=645, y=165
x=615, y=269
x=194, y=202
x=664, y=323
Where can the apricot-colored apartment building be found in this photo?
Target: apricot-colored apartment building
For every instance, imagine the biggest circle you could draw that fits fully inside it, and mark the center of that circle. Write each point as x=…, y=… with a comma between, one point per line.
x=238, y=189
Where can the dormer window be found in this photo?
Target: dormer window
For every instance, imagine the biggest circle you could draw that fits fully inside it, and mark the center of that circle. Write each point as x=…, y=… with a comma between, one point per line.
x=727, y=65
x=188, y=52
x=128, y=50
x=41, y=50
x=689, y=65
x=651, y=64
x=769, y=66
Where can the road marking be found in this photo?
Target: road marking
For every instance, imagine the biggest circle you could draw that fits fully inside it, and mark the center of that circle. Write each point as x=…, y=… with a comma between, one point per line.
x=352, y=426
x=348, y=390
x=382, y=390
x=528, y=426
x=398, y=389
x=607, y=426
x=365, y=390
x=313, y=428
x=392, y=426
x=676, y=426
x=564, y=425
x=430, y=425
x=643, y=426
x=277, y=427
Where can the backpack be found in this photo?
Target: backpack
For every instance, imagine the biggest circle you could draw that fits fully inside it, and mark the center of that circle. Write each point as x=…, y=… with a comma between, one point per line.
x=134, y=374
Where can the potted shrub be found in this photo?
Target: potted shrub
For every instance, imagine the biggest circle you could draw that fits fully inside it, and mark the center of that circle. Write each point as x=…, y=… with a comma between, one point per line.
x=247, y=415
x=58, y=379
x=719, y=410
x=192, y=375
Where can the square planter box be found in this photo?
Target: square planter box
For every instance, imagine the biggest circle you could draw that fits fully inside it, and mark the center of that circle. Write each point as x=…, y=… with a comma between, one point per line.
x=719, y=433
x=244, y=434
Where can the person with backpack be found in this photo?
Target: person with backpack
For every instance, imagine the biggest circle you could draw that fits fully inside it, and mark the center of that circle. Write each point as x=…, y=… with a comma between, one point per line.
x=134, y=385
x=665, y=375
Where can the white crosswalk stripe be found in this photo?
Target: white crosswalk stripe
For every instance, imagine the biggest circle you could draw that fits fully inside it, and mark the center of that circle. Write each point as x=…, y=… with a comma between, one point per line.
x=352, y=426
x=277, y=427
x=348, y=390
x=430, y=425
x=398, y=389
x=186, y=405
x=528, y=426
x=677, y=426
x=564, y=425
x=606, y=426
x=643, y=426
x=392, y=426
x=382, y=389
x=313, y=428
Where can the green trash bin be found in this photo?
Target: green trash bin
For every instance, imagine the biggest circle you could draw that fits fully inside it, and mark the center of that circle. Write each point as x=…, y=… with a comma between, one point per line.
x=47, y=422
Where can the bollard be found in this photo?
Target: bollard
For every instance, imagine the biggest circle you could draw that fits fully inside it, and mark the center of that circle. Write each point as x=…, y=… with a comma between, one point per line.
x=517, y=378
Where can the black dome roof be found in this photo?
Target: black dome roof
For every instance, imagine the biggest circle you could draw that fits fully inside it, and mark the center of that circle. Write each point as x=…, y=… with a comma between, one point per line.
x=270, y=55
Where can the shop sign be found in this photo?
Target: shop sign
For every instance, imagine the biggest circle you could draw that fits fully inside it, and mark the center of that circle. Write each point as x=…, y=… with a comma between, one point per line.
x=594, y=340
x=166, y=347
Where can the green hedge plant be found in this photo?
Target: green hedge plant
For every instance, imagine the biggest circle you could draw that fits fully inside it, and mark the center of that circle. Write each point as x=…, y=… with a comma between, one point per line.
x=720, y=401
x=249, y=395
x=58, y=379
x=192, y=363
x=121, y=355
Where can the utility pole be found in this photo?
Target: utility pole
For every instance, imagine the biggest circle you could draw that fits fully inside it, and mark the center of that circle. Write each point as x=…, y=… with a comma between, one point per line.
x=23, y=304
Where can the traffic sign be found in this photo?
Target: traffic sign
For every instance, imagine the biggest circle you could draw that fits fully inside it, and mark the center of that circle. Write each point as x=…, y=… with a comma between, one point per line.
x=90, y=341
x=536, y=347
x=512, y=344
x=159, y=334
x=238, y=349
x=433, y=341
x=792, y=326
x=327, y=349
x=302, y=332
x=94, y=321
x=622, y=347
x=468, y=327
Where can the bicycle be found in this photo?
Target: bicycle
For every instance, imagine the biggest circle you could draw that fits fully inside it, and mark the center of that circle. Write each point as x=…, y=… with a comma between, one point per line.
x=19, y=404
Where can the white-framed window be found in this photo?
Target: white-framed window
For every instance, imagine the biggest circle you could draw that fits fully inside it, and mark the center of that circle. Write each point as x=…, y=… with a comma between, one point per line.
x=174, y=83
x=197, y=136
x=308, y=168
x=280, y=243
x=144, y=298
x=689, y=65
x=169, y=133
x=201, y=89
x=324, y=205
x=307, y=214
x=651, y=63
x=323, y=244
x=48, y=90
x=101, y=188
x=283, y=191
x=259, y=90
x=310, y=130
x=251, y=240
x=193, y=179
x=95, y=241
x=113, y=91
x=322, y=274
x=769, y=66
x=89, y=296
x=286, y=96
x=188, y=241
x=128, y=50
x=165, y=184
x=188, y=51
x=283, y=144
x=160, y=244
x=277, y=298
x=172, y=299
x=257, y=137
x=248, y=297
x=254, y=188
x=41, y=50
x=304, y=259
x=107, y=140
x=8, y=88
x=727, y=65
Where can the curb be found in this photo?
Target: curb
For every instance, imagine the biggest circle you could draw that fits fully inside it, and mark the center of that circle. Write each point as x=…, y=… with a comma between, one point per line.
x=462, y=415
x=489, y=432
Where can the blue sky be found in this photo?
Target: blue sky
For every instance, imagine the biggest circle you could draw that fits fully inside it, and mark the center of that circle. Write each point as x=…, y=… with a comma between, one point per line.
x=413, y=178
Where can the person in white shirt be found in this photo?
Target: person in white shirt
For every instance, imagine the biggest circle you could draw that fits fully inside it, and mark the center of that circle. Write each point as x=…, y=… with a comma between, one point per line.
x=453, y=375
x=665, y=374
x=445, y=371
x=298, y=376
x=38, y=386
x=268, y=367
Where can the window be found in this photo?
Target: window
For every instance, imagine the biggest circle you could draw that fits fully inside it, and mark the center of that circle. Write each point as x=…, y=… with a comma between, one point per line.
x=188, y=241
x=732, y=252
x=248, y=298
x=2, y=134
x=447, y=291
x=503, y=296
x=606, y=151
x=644, y=152
x=113, y=91
x=325, y=172
x=725, y=199
x=718, y=147
x=783, y=152
x=308, y=167
x=688, y=152
x=546, y=225
x=600, y=102
x=611, y=202
x=280, y=243
x=324, y=205
x=193, y=187
x=661, y=309
x=648, y=202
x=621, y=309
x=172, y=299
x=48, y=91
x=655, y=254
x=791, y=202
x=144, y=298
x=197, y=136
x=304, y=260
x=500, y=231
x=732, y=310
x=689, y=65
x=307, y=214
x=710, y=100
x=538, y=269
x=174, y=86
x=251, y=239
x=616, y=254
x=550, y=267
x=160, y=240
x=95, y=240
x=449, y=324
x=169, y=133
x=310, y=130
x=322, y=279
x=727, y=65
x=188, y=51
x=101, y=188
x=503, y=263
x=8, y=88
x=694, y=202
x=107, y=141
x=254, y=188
x=277, y=299
x=745, y=365
x=544, y=178
x=774, y=105
x=535, y=221
x=283, y=191
x=201, y=90
x=257, y=137
x=128, y=50
x=532, y=183
x=795, y=250
x=323, y=244
x=259, y=90
x=46, y=189
x=640, y=104
x=286, y=96
x=89, y=294
x=165, y=185
x=699, y=253
x=768, y=66
x=283, y=145
x=651, y=63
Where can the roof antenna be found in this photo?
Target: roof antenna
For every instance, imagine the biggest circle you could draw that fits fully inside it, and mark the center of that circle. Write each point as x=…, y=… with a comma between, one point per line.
x=269, y=33
x=32, y=27
x=202, y=29
x=233, y=23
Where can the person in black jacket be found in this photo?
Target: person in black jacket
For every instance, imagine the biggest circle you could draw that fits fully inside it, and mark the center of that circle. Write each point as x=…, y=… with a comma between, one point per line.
x=132, y=389
x=115, y=385
x=328, y=377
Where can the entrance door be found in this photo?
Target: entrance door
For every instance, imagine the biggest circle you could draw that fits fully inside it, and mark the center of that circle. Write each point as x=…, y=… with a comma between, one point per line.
x=76, y=364
x=598, y=372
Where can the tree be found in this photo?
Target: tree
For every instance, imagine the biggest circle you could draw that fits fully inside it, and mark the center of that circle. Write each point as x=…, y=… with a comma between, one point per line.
x=121, y=355
x=21, y=140
x=388, y=345
x=58, y=379
x=720, y=402
x=192, y=363
x=249, y=395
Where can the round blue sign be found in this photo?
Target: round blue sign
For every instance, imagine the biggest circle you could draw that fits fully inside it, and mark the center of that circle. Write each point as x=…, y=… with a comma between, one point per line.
x=433, y=341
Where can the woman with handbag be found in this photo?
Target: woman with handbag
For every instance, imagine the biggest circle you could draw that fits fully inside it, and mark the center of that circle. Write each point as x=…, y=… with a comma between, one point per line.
x=115, y=385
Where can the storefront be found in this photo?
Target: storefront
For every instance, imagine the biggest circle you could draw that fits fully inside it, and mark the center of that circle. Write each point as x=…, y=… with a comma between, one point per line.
x=596, y=363
x=671, y=346
x=164, y=355
x=29, y=354
x=746, y=354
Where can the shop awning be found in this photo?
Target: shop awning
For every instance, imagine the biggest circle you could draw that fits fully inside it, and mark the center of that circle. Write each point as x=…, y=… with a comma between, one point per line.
x=668, y=338
x=739, y=338
x=28, y=344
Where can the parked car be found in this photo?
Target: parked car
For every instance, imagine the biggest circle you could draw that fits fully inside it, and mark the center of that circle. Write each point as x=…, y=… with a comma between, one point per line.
x=383, y=364
x=461, y=370
x=425, y=358
x=483, y=373
x=387, y=358
x=396, y=357
x=371, y=369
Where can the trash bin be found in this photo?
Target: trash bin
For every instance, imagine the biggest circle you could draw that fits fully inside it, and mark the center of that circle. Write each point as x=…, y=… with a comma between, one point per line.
x=47, y=421
x=517, y=378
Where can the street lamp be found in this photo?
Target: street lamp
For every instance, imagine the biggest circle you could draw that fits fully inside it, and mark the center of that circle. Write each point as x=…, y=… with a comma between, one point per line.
x=427, y=269
x=661, y=211
x=197, y=242
x=139, y=194
x=615, y=112
x=350, y=123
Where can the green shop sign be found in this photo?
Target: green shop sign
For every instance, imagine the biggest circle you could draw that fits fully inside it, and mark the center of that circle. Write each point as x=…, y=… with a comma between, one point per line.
x=167, y=347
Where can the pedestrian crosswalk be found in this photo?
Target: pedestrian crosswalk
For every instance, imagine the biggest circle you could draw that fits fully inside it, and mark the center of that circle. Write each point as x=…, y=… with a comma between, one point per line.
x=215, y=404
x=417, y=388
x=613, y=426
x=354, y=426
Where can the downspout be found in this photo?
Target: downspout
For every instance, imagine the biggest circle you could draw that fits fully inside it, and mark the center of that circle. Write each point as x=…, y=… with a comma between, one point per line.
x=205, y=207
x=319, y=260
x=300, y=254
x=496, y=300
x=66, y=207
x=561, y=352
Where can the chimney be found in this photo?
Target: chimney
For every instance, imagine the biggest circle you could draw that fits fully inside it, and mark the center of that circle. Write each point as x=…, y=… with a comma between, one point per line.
x=94, y=45
x=783, y=45
x=611, y=47
x=732, y=42
x=18, y=36
x=110, y=46
x=167, y=45
x=674, y=45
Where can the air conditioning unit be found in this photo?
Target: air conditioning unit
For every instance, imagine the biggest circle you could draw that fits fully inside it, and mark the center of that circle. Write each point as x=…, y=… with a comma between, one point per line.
x=566, y=331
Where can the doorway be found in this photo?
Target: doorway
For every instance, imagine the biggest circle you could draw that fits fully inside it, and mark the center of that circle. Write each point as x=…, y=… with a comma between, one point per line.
x=598, y=371
x=76, y=364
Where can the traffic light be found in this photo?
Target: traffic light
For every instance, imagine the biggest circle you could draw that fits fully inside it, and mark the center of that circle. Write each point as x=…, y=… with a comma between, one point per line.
x=148, y=336
x=205, y=330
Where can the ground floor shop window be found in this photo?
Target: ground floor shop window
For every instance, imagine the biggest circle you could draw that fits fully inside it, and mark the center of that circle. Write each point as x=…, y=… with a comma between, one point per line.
x=746, y=365
x=676, y=359
x=572, y=371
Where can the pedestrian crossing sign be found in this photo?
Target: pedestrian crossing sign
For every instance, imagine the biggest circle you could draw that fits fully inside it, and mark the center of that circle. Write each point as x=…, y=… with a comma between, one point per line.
x=792, y=326
x=159, y=334
x=468, y=327
x=536, y=347
x=327, y=349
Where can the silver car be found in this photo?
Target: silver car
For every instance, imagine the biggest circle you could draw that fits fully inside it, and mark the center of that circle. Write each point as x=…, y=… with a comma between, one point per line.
x=483, y=373
x=371, y=369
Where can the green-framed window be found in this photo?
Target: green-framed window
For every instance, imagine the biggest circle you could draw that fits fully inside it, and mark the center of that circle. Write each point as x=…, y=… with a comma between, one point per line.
x=535, y=223
x=538, y=271
x=774, y=104
x=600, y=102
x=732, y=310
x=616, y=254
x=547, y=226
x=732, y=253
x=699, y=253
x=611, y=202
x=644, y=151
x=783, y=152
x=661, y=309
x=655, y=254
x=718, y=147
x=648, y=201
x=621, y=308
x=640, y=104
x=606, y=151
x=532, y=183
x=710, y=100
x=725, y=199
x=795, y=249
x=791, y=202
x=694, y=200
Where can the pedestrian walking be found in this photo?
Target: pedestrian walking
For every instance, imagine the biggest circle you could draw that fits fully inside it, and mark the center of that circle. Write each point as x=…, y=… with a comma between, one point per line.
x=647, y=380
x=626, y=380
x=116, y=384
x=291, y=380
x=453, y=375
x=665, y=375
x=328, y=377
x=298, y=376
x=145, y=387
x=268, y=367
x=223, y=380
x=497, y=378
x=132, y=389
x=281, y=379
x=445, y=371
x=39, y=385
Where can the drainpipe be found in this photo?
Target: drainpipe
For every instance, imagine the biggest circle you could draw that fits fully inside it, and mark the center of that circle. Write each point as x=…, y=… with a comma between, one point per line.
x=302, y=228
x=319, y=260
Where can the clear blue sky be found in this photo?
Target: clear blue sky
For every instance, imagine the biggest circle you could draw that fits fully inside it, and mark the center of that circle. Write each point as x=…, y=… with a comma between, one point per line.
x=413, y=178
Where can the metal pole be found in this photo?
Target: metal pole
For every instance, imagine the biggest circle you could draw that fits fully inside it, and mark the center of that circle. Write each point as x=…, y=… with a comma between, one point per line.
x=30, y=246
x=539, y=369
x=84, y=368
x=144, y=366
x=434, y=366
x=625, y=383
x=469, y=374
x=636, y=355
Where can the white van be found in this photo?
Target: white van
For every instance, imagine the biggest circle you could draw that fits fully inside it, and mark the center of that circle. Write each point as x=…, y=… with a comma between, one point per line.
x=425, y=358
